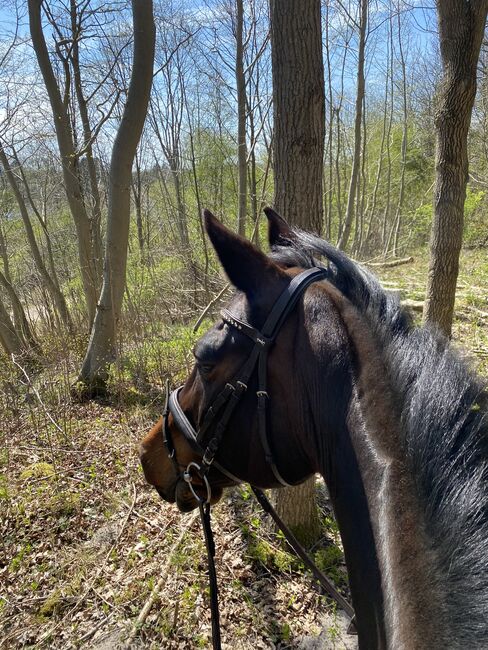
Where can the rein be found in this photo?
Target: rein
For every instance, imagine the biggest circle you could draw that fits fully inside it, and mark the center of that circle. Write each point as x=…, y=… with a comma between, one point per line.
x=216, y=420
x=300, y=552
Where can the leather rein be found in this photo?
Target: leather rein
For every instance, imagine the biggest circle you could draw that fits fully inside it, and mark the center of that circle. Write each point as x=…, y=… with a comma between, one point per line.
x=214, y=425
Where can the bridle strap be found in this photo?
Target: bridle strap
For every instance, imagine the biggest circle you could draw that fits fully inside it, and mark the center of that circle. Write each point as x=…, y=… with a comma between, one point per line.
x=327, y=584
x=212, y=573
x=188, y=431
x=288, y=299
x=225, y=404
x=295, y=545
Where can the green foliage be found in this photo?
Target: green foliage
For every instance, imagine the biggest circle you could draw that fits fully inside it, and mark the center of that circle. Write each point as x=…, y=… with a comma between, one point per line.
x=475, y=218
x=157, y=357
x=330, y=560
x=20, y=557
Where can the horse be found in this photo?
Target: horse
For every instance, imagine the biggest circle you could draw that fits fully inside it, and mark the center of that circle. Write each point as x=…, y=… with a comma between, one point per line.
x=390, y=415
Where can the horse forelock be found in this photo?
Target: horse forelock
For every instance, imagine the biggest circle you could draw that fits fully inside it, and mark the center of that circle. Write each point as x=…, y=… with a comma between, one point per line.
x=442, y=412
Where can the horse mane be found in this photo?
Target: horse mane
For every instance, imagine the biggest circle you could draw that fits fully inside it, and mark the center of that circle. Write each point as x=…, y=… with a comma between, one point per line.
x=443, y=410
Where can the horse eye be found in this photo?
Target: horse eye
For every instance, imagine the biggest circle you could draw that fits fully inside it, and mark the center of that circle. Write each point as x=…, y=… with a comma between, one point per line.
x=204, y=368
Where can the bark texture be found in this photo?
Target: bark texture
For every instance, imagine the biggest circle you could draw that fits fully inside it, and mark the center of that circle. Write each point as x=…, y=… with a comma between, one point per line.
x=461, y=29
x=299, y=111
x=9, y=339
x=101, y=348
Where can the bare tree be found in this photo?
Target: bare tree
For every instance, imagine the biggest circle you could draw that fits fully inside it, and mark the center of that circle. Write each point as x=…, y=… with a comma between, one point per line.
x=360, y=89
x=50, y=282
x=241, y=118
x=59, y=104
x=101, y=348
x=461, y=29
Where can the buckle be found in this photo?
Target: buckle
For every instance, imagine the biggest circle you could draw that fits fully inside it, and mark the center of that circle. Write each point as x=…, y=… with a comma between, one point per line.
x=210, y=451
x=241, y=386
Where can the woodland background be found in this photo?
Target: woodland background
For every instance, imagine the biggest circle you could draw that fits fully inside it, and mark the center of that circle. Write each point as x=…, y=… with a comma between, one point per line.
x=82, y=540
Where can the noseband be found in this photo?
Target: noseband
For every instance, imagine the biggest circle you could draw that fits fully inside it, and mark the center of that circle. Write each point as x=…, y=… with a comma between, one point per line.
x=219, y=413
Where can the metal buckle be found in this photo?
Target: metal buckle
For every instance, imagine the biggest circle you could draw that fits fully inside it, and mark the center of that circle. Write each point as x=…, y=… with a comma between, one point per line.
x=210, y=451
x=262, y=393
x=187, y=477
x=242, y=386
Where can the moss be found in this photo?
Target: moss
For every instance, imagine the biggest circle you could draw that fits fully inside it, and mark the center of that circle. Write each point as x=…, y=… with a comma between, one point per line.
x=38, y=470
x=51, y=605
x=64, y=504
x=330, y=560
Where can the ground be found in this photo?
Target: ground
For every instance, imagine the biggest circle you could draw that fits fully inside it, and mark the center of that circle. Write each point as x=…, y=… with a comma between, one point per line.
x=84, y=542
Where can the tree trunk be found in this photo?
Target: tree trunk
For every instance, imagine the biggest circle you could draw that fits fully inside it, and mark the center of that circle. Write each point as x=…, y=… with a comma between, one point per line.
x=137, y=194
x=9, y=339
x=346, y=231
x=87, y=256
x=22, y=327
x=297, y=506
x=101, y=348
x=299, y=134
x=96, y=203
x=241, y=119
x=50, y=284
x=299, y=110
x=461, y=28
x=401, y=194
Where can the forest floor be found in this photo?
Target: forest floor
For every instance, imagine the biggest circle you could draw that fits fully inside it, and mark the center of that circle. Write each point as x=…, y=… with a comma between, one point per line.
x=84, y=541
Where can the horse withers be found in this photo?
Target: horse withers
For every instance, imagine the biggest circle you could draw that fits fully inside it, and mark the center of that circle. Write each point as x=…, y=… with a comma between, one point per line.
x=387, y=413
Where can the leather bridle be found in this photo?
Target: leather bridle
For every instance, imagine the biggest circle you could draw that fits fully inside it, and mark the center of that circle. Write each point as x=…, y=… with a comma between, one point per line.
x=214, y=425
x=220, y=412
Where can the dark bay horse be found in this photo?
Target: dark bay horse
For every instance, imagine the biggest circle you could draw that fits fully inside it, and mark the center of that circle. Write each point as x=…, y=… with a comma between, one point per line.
x=389, y=414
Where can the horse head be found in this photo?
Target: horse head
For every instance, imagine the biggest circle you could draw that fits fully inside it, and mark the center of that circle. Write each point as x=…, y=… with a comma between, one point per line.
x=220, y=355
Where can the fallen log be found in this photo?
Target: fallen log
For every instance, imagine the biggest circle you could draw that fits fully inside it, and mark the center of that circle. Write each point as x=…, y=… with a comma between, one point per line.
x=414, y=305
x=391, y=264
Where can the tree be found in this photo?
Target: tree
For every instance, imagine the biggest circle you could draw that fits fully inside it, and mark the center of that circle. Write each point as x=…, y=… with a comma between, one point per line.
x=101, y=348
x=241, y=118
x=299, y=133
x=299, y=110
x=461, y=29
x=89, y=262
x=51, y=282
x=360, y=88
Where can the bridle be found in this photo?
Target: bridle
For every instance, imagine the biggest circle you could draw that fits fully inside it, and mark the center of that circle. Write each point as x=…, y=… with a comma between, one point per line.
x=220, y=411
x=215, y=423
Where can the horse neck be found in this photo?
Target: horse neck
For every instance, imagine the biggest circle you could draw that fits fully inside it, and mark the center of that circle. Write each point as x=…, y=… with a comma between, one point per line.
x=414, y=617
x=348, y=490
x=335, y=454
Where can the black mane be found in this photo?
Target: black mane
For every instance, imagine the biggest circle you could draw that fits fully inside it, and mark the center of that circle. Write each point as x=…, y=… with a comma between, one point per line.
x=444, y=421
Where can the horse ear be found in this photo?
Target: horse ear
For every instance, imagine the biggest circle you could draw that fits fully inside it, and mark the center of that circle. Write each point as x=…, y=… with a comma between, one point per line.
x=245, y=265
x=279, y=232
